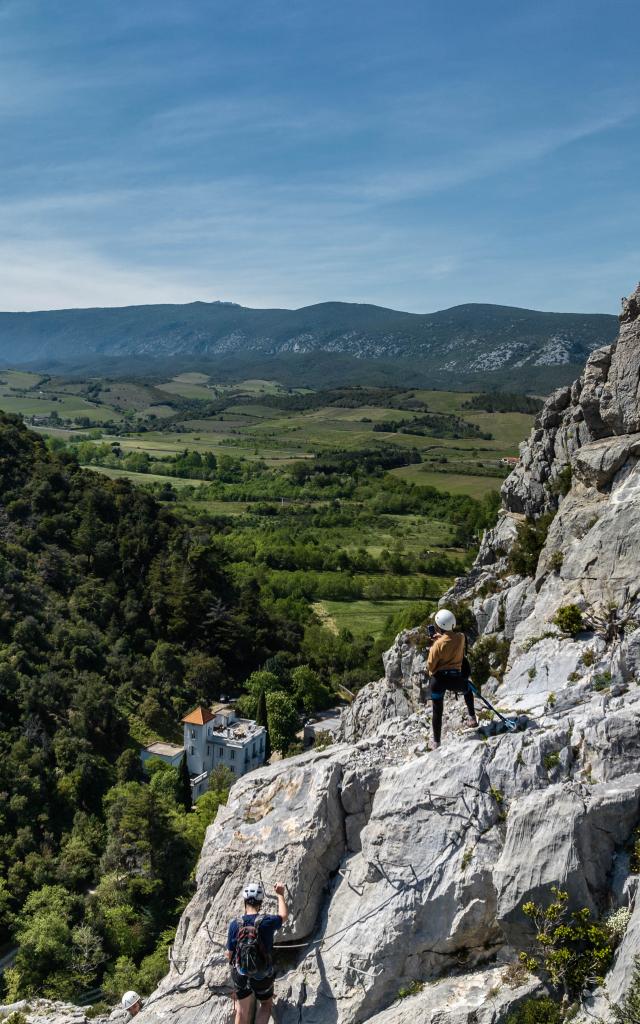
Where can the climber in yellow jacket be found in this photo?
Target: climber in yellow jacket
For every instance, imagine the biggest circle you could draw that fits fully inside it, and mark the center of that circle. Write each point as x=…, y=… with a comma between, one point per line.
x=444, y=665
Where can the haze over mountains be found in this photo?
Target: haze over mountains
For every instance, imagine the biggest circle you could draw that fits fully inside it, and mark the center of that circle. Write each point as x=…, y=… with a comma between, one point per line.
x=463, y=346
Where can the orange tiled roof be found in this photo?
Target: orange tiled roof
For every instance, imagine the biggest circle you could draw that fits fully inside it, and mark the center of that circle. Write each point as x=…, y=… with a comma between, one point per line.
x=198, y=717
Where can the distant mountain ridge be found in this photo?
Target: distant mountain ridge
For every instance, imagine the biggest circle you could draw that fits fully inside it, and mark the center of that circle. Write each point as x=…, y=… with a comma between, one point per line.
x=466, y=341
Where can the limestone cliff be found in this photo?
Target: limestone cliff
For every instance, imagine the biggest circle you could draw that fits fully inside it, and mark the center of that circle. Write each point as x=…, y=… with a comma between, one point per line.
x=407, y=869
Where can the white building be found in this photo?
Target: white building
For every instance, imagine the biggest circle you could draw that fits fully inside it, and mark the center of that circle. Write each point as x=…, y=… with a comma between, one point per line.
x=217, y=738
x=171, y=753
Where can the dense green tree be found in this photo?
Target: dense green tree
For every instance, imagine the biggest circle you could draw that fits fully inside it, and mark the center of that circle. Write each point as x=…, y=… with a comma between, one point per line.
x=129, y=851
x=126, y=930
x=257, y=683
x=129, y=766
x=7, y=903
x=184, y=794
x=205, y=810
x=309, y=690
x=525, y=552
x=262, y=718
x=537, y=1011
x=283, y=720
x=80, y=851
x=155, y=714
x=205, y=677
x=44, y=936
x=166, y=665
x=121, y=977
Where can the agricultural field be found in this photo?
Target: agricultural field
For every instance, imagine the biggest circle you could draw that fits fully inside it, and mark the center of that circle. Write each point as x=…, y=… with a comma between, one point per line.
x=362, y=618
x=32, y=396
x=455, y=483
x=360, y=505
x=146, y=478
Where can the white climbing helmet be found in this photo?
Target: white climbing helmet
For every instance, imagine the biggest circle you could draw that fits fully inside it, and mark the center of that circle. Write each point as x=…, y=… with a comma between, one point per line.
x=445, y=619
x=130, y=999
x=253, y=892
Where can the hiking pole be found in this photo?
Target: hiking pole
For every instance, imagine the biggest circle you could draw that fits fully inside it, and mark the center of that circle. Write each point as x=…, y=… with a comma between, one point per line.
x=509, y=722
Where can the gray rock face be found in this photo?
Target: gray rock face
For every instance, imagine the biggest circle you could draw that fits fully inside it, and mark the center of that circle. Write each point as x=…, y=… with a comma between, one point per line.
x=590, y=392
x=597, y=463
x=476, y=997
x=381, y=701
x=604, y=402
x=497, y=542
x=620, y=401
x=48, y=1011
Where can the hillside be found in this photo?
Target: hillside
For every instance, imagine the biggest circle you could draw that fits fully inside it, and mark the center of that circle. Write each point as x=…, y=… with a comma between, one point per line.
x=116, y=618
x=466, y=344
x=413, y=876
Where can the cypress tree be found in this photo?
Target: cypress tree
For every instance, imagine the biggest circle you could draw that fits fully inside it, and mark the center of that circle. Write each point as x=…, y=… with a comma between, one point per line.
x=185, y=784
x=261, y=719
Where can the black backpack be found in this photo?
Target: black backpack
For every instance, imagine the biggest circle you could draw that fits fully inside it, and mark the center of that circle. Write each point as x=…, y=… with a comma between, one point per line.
x=250, y=957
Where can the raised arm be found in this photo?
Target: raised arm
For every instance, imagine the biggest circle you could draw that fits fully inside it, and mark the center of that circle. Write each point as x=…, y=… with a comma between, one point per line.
x=433, y=657
x=283, y=909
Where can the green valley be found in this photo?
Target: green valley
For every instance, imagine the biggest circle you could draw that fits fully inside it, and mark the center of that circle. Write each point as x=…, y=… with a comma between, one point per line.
x=240, y=451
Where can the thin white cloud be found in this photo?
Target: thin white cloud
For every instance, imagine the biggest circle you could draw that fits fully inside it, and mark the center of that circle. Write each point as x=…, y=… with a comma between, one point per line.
x=329, y=195
x=487, y=157
x=64, y=275
x=249, y=115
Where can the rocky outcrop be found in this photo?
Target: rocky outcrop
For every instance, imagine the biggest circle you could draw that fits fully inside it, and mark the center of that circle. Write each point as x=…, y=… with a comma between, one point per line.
x=407, y=870
x=620, y=401
x=48, y=1011
x=395, y=696
x=604, y=401
x=475, y=997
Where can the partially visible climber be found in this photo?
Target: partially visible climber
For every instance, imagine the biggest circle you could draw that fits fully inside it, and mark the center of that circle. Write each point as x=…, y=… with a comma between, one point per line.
x=444, y=665
x=132, y=1002
x=249, y=951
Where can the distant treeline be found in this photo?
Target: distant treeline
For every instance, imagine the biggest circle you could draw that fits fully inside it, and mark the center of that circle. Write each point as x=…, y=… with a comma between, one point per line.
x=227, y=469
x=433, y=425
x=361, y=462
x=504, y=401
x=344, y=398
x=187, y=464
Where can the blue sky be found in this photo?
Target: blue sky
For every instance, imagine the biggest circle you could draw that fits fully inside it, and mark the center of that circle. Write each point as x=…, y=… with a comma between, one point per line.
x=414, y=154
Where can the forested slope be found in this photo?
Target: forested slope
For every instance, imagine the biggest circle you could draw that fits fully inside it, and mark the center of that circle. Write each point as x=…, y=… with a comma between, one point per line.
x=114, y=616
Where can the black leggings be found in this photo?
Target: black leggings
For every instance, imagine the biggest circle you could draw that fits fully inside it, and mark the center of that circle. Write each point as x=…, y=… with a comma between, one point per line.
x=454, y=682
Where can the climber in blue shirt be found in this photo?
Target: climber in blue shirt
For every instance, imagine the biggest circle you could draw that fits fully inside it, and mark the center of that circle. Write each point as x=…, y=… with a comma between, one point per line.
x=249, y=951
